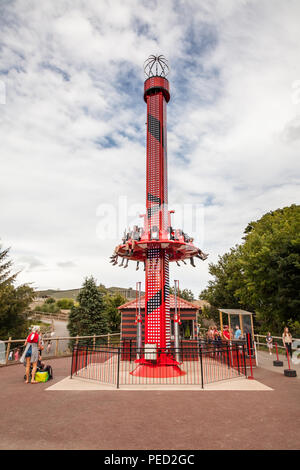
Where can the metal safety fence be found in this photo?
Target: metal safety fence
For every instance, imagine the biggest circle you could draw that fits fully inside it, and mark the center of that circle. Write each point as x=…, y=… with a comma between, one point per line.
x=125, y=366
x=53, y=346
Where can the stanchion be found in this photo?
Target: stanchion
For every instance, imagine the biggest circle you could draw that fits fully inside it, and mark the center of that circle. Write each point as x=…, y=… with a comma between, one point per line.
x=277, y=363
x=289, y=372
x=250, y=358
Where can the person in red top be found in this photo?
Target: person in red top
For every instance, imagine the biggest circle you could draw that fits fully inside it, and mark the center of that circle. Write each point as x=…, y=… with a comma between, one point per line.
x=226, y=333
x=31, y=353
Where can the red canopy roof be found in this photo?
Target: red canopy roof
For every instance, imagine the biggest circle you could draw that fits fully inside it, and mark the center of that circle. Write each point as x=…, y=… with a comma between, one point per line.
x=181, y=303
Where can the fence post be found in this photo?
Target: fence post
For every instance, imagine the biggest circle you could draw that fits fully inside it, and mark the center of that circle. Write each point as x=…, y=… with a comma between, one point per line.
x=244, y=358
x=56, y=348
x=72, y=364
x=108, y=339
x=228, y=356
x=255, y=351
x=118, y=372
x=76, y=363
x=94, y=342
x=250, y=355
x=8, y=350
x=201, y=365
x=237, y=357
x=86, y=355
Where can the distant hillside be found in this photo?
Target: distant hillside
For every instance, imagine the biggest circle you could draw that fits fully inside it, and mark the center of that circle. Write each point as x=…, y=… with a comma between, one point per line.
x=73, y=293
x=58, y=294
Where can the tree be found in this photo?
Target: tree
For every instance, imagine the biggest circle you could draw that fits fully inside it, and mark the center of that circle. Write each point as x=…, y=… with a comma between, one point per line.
x=13, y=301
x=88, y=317
x=185, y=294
x=270, y=262
x=263, y=273
x=112, y=302
x=228, y=278
x=6, y=278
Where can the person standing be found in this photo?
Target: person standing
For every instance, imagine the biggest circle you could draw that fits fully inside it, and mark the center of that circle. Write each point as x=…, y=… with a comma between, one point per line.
x=287, y=340
x=269, y=341
x=226, y=333
x=17, y=354
x=209, y=335
x=49, y=344
x=238, y=332
x=31, y=353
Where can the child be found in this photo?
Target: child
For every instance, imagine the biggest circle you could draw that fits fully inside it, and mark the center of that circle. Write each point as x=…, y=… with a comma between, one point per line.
x=17, y=354
x=269, y=341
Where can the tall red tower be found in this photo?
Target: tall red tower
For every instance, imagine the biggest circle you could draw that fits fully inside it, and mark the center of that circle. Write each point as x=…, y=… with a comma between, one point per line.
x=157, y=326
x=157, y=243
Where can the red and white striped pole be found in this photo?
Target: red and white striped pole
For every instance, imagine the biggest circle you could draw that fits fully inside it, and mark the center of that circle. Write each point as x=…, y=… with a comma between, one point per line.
x=277, y=363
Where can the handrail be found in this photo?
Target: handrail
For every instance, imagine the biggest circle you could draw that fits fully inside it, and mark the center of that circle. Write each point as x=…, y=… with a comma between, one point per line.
x=55, y=339
x=257, y=335
x=274, y=337
x=62, y=338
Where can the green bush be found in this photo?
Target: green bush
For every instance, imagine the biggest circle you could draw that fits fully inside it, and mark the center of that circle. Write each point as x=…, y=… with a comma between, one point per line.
x=294, y=327
x=65, y=304
x=53, y=308
x=47, y=308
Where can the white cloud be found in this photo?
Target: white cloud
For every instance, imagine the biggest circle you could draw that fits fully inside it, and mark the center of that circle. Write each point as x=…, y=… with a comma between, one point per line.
x=73, y=133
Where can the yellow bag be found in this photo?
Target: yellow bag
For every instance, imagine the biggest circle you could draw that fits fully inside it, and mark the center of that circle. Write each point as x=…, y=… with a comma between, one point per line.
x=41, y=376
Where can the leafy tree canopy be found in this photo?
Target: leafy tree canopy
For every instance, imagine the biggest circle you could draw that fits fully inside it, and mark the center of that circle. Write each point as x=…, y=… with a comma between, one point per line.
x=88, y=317
x=65, y=303
x=185, y=294
x=13, y=301
x=112, y=302
x=263, y=273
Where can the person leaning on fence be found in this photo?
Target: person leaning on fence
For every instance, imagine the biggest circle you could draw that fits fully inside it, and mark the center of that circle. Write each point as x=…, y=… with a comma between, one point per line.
x=49, y=345
x=17, y=354
x=287, y=340
x=269, y=341
x=226, y=333
x=31, y=353
x=238, y=332
x=217, y=339
x=210, y=334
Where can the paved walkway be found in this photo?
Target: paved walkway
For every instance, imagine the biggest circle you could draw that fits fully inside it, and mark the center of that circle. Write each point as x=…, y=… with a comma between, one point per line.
x=265, y=360
x=60, y=330
x=33, y=418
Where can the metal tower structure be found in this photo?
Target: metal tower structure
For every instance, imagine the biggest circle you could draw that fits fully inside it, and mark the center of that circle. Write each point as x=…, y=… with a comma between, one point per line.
x=156, y=244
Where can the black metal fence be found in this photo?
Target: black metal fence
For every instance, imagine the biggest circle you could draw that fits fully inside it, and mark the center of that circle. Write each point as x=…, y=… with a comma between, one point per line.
x=124, y=365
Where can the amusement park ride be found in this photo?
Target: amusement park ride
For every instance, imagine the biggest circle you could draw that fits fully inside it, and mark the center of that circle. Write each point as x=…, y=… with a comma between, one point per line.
x=156, y=244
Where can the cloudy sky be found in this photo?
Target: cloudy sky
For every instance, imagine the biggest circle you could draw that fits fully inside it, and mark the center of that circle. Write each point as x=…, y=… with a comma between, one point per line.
x=72, y=152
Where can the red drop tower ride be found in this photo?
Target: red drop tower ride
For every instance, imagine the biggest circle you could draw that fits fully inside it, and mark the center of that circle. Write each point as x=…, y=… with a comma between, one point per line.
x=156, y=244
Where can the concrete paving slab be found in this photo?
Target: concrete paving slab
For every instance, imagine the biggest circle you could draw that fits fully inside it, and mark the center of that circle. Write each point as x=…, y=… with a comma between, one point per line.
x=77, y=383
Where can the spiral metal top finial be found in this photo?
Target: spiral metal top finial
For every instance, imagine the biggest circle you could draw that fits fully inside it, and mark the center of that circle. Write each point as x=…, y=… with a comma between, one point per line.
x=156, y=66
